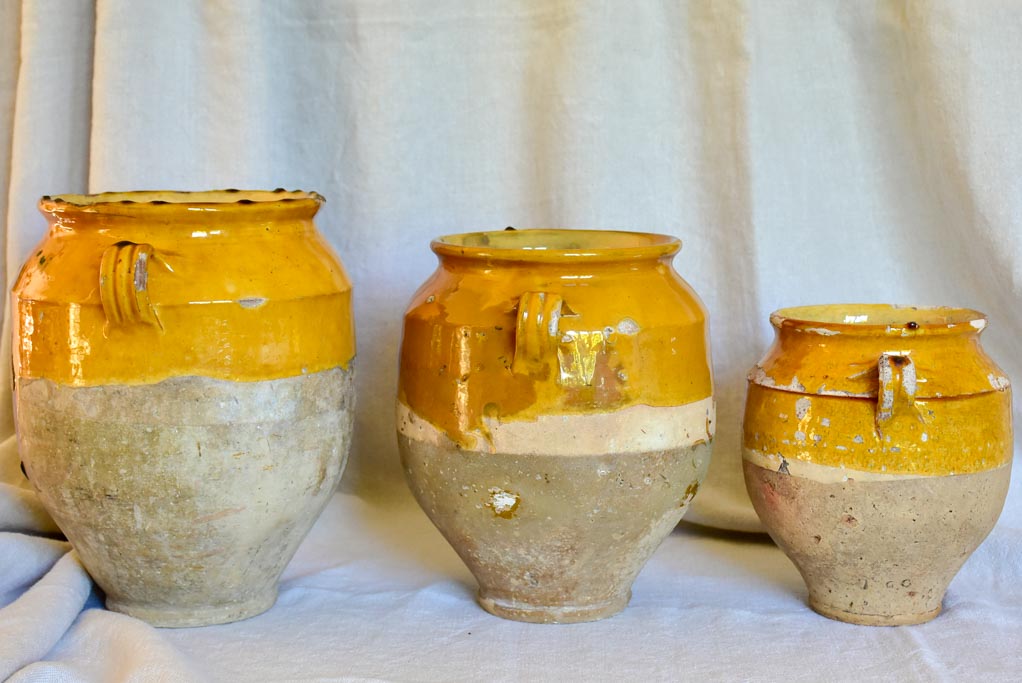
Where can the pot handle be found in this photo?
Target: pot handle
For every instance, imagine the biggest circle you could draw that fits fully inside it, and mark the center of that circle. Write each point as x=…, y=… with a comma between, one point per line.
x=124, y=284
x=536, y=332
x=897, y=390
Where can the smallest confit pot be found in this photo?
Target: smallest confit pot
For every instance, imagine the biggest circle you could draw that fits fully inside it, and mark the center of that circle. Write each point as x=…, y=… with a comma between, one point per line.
x=555, y=412
x=877, y=453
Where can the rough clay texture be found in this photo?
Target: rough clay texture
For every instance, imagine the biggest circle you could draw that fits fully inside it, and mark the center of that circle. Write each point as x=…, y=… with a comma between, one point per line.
x=878, y=552
x=553, y=539
x=185, y=499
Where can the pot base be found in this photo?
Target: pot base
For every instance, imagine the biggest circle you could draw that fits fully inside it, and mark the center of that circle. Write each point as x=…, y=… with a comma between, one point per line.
x=875, y=549
x=183, y=617
x=186, y=499
x=553, y=614
x=837, y=614
x=557, y=536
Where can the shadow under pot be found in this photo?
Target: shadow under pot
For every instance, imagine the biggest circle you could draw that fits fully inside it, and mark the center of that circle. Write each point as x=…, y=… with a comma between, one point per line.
x=877, y=453
x=555, y=412
x=183, y=377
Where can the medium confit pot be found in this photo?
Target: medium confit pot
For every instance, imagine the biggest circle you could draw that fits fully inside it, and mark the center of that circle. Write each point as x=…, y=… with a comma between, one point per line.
x=184, y=391
x=555, y=412
x=877, y=452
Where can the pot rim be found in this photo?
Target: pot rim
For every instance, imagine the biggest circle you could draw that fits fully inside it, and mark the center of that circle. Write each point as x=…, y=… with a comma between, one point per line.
x=556, y=245
x=878, y=319
x=204, y=200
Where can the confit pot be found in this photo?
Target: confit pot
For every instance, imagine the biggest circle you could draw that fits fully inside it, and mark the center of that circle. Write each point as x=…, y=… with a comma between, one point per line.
x=555, y=412
x=183, y=391
x=877, y=453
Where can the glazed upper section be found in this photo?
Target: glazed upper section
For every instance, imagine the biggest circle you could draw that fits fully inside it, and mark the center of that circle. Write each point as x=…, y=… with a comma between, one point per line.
x=835, y=349
x=880, y=389
x=518, y=324
x=142, y=286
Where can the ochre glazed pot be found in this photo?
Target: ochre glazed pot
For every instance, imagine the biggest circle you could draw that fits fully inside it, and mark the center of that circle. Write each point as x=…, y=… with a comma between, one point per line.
x=183, y=367
x=555, y=412
x=877, y=453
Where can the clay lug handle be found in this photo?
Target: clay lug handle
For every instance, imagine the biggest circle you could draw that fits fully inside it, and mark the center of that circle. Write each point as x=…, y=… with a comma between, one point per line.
x=537, y=331
x=124, y=284
x=897, y=391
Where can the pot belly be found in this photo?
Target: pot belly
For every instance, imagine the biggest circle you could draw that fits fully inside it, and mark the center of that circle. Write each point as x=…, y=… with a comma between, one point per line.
x=874, y=548
x=185, y=499
x=555, y=518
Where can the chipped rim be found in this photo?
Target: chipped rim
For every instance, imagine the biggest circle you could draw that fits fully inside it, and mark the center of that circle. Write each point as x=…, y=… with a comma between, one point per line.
x=179, y=202
x=878, y=319
x=556, y=245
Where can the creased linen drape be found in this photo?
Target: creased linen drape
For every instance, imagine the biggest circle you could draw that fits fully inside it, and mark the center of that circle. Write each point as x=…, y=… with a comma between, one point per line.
x=805, y=152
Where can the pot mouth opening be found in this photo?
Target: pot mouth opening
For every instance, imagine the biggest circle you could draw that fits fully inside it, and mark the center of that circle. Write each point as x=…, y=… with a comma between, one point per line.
x=556, y=245
x=177, y=200
x=873, y=319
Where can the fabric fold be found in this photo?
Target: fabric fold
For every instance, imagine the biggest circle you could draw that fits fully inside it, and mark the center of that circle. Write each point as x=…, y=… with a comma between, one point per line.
x=31, y=625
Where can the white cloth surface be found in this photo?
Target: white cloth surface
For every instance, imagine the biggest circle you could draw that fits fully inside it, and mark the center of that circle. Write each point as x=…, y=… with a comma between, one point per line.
x=805, y=152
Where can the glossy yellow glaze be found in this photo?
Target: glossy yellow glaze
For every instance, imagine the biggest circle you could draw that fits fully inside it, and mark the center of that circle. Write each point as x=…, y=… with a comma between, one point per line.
x=880, y=389
x=138, y=287
x=518, y=324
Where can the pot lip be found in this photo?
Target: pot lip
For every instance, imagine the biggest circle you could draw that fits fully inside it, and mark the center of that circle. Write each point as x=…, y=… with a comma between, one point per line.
x=878, y=319
x=201, y=200
x=556, y=245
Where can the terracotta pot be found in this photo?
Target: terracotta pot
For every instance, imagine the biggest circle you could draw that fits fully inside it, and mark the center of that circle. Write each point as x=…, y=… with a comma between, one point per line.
x=183, y=375
x=555, y=412
x=877, y=453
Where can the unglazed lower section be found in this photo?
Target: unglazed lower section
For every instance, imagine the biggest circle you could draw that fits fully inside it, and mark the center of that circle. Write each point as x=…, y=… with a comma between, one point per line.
x=186, y=499
x=555, y=534
x=873, y=548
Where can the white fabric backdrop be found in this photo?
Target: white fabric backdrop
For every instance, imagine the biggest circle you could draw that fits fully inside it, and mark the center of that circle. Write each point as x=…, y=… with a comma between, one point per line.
x=805, y=152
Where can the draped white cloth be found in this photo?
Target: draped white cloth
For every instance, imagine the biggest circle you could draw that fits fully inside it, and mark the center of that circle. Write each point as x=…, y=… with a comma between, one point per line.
x=805, y=152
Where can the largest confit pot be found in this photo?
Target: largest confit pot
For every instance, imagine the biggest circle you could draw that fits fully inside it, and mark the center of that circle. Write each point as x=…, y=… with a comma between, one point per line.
x=183, y=377
x=555, y=412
